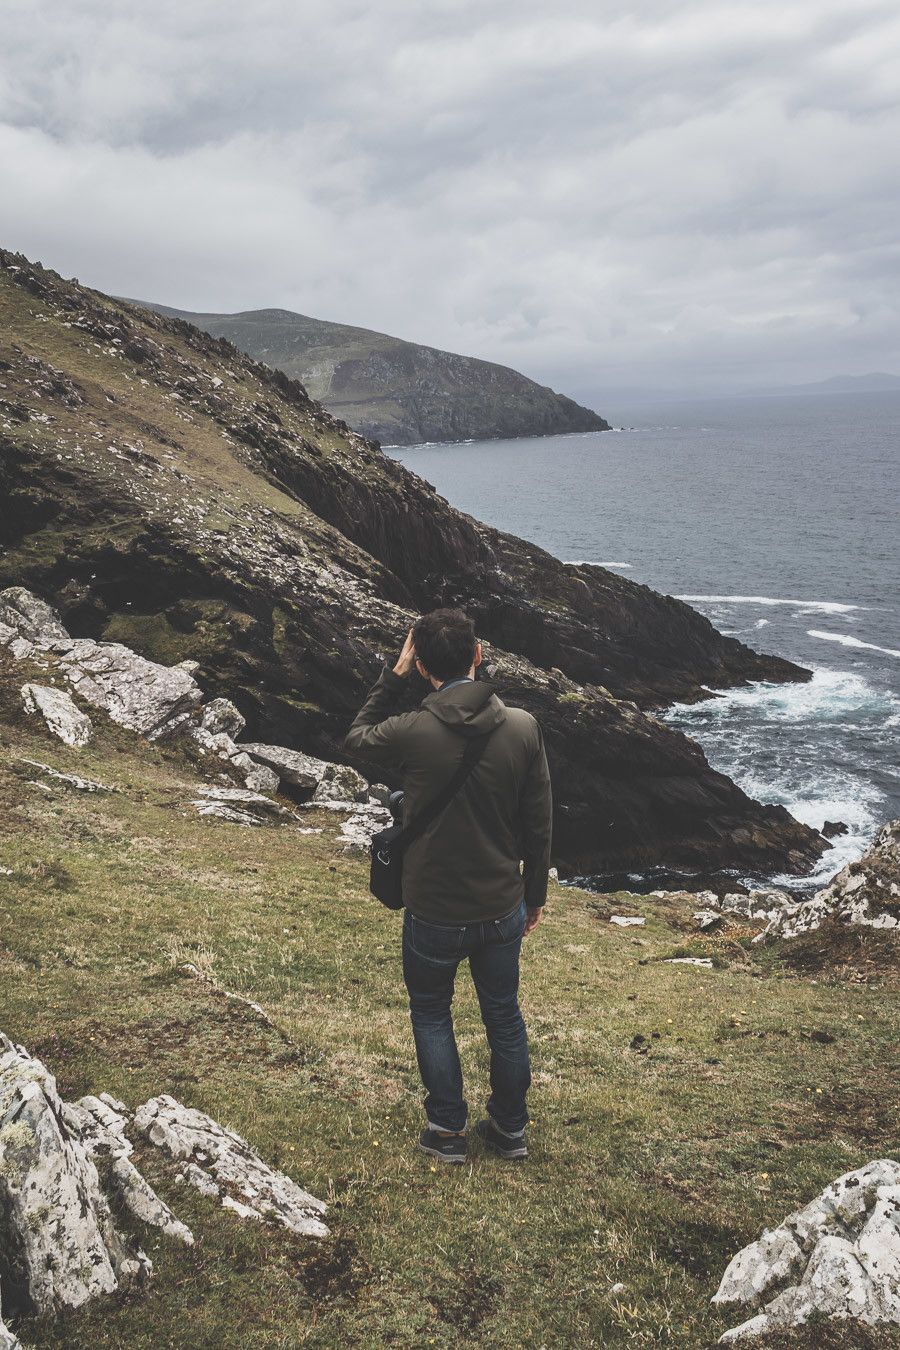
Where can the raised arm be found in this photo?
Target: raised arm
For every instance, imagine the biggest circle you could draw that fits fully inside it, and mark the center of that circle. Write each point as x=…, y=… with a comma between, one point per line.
x=377, y=731
x=536, y=814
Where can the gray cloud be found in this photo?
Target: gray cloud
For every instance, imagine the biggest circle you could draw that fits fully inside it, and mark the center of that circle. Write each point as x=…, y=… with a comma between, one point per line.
x=698, y=193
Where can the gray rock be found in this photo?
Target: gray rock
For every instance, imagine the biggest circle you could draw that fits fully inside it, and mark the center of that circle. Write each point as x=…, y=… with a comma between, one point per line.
x=101, y=1122
x=865, y=893
x=340, y=783
x=141, y=695
x=72, y=780
x=840, y=1257
x=215, y=1156
x=220, y=715
x=18, y=646
x=257, y=777
x=58, y=710
x=240, y=806
x=58, y=1240
x=29, y=616
x=293, y=766
x=357, y=828
x=707, y=918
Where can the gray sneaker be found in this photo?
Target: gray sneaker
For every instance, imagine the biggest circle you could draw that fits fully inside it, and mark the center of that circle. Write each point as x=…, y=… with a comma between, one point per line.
x=512, y=1147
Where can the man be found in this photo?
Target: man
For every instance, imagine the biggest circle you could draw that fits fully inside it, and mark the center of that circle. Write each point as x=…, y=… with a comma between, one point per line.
x=465, y=895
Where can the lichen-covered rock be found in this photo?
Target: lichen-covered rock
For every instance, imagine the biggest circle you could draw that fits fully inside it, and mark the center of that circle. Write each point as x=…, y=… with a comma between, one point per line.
x=18, y=647
x=293, y=766
x=839, y=1256
x=357, y=829
x=101, y=1122
x=216, y=1157
x=69, y=780
x=341, y=783
x=865, y=893
x=29, y=616
x=59, y=1245
x=241, y=806
x=59, y=711
x=257, y=777
x=220, y=715
x=148, y=698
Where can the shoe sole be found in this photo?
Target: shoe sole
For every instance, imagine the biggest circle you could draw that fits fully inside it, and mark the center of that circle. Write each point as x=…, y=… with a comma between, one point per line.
x=443, y=1157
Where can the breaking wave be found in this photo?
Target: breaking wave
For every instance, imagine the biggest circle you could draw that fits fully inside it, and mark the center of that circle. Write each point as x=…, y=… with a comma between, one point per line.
x=814, y=606
x=846, y=641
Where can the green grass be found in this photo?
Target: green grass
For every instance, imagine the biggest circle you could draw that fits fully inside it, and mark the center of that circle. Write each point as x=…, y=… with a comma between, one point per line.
x=651, y=1162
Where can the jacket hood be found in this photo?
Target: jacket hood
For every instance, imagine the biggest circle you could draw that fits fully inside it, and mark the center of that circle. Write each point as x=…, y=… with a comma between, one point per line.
x=469, y=709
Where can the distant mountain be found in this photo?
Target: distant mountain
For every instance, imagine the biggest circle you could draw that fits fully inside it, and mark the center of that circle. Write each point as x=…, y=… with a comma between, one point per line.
x=877, y=382
x=396, y=392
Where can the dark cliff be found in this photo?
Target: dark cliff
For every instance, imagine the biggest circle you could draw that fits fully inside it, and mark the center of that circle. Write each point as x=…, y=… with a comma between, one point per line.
x=399, y=393
x=169, y=492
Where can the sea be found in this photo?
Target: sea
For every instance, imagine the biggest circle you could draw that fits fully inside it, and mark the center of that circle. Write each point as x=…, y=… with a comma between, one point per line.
x=776, y=517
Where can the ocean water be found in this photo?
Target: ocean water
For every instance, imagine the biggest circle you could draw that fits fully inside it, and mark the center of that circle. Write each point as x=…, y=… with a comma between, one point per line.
x=779, y=519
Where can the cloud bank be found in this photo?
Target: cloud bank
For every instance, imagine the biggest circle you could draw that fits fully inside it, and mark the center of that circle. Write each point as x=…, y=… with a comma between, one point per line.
x=698, y=195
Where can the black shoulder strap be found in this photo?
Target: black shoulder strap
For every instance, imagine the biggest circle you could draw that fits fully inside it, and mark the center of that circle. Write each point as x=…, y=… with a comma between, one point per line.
x=471, y=755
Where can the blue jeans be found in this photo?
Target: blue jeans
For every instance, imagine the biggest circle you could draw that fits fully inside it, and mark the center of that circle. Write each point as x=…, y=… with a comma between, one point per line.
x=431, y=955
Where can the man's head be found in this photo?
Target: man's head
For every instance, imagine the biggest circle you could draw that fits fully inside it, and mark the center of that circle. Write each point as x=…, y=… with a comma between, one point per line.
x=446, y=646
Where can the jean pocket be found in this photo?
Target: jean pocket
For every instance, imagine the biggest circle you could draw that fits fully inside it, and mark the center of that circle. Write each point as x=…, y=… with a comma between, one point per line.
x=435, y=941
x=511, y=927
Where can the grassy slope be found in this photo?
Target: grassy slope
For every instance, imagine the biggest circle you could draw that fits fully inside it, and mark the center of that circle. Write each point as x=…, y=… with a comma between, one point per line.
x=649, y=1169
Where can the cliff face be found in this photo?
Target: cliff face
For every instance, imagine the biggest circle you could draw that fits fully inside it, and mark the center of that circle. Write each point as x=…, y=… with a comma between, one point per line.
x=399, y=393
x=167, y=492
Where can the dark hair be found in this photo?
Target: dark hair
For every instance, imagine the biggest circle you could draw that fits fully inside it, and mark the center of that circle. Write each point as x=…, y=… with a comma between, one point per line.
x=445, y=643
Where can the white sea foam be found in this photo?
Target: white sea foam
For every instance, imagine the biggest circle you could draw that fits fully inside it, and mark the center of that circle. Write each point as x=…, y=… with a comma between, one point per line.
x=791, y=745
x=831, y=695
x=846, y=641
x=815, y=606
x=589, y=562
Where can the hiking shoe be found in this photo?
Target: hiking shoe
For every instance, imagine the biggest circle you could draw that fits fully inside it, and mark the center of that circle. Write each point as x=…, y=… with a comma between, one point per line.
x=450, y=1148
x=509, y=1146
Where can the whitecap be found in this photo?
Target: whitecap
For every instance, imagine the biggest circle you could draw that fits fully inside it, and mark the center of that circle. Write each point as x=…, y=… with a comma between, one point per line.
x=847, y=641
x=589, y=562
x=819, y=606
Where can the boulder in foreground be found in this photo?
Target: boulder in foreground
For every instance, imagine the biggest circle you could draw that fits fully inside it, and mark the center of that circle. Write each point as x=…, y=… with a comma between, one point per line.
x=839, y=1257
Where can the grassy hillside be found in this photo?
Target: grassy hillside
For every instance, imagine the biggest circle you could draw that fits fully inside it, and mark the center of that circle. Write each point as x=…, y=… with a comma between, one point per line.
x=653, y=1160
x=397, y=392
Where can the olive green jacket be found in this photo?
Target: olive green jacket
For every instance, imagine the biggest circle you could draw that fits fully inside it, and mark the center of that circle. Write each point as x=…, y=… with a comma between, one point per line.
x=465, y=867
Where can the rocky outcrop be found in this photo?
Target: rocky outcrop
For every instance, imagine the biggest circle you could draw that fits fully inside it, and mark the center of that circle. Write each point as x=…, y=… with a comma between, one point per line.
x=67, y=1168
x=59, y=1245
x=839, y=1257
x=220, y=1163
x=864, y=893
x=188, y=504
x=101, y=1123
x=60, y=713
x=394, y=391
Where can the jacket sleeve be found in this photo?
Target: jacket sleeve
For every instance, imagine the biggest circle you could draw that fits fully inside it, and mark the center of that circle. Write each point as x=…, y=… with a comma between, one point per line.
x=375, y=732
x=536, y=815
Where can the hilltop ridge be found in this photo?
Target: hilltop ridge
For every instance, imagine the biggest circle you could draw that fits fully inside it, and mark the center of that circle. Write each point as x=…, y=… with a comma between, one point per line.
x=392, y=390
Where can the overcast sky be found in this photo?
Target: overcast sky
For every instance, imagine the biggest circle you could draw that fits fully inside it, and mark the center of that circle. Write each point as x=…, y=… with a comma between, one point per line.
x=693, y=195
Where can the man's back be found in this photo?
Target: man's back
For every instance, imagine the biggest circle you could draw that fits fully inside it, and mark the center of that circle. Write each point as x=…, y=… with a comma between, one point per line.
x=464, y=868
